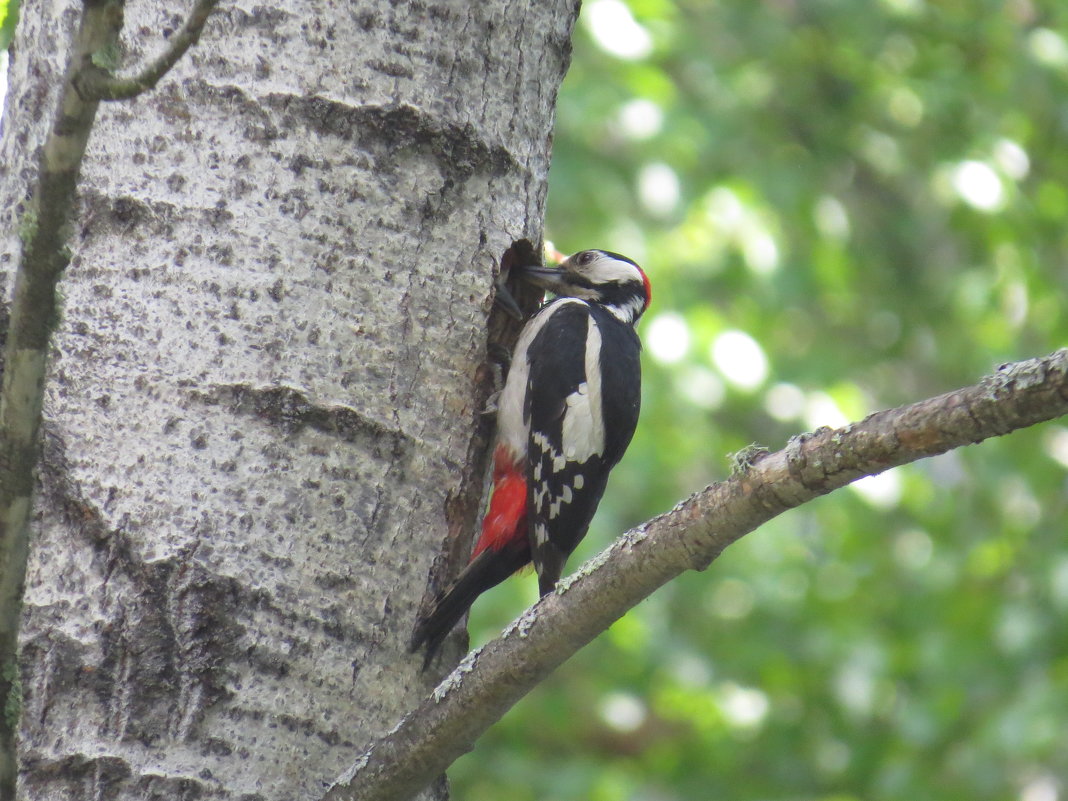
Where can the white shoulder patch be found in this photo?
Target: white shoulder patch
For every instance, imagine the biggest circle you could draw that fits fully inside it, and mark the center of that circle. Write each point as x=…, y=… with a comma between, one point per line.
x=583, y=427
x=512, y=429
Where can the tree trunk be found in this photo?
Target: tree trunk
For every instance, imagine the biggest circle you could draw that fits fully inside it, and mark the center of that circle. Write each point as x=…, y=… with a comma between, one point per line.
x=262, y=422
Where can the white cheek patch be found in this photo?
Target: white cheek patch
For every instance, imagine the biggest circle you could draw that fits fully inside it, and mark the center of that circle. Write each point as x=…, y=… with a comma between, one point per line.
x=629, y=311
x=605, y=269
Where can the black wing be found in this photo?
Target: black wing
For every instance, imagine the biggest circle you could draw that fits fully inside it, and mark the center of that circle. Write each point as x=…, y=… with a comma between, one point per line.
x=582, y=409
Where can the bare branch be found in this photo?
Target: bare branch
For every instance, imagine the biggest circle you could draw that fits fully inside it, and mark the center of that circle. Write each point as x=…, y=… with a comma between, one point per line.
x=489, y=681
x=97, y=84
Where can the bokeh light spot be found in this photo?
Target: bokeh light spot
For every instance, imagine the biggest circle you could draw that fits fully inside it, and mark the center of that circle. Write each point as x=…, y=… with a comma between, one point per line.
x=740, y=359
x=641, y=119
x=978, y=185
x=667, y=337
x=658, y=189
x=615, y=30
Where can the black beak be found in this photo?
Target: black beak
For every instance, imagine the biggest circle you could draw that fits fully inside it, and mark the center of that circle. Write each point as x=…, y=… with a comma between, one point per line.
x=507, y=302
x=550, y=278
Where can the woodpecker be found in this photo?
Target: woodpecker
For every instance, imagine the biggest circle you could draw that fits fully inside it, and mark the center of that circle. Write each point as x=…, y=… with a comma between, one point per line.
x=564, y=418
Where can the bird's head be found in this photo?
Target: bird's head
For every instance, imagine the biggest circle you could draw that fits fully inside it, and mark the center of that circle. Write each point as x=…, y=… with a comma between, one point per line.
x=598, y=276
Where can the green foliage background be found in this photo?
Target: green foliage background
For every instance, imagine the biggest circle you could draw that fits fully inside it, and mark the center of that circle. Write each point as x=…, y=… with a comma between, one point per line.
x=8, y=16
x=876, y=194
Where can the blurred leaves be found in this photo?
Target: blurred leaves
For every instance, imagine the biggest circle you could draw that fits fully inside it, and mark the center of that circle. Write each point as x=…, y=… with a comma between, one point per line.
x=9, y=14
x=870, y=200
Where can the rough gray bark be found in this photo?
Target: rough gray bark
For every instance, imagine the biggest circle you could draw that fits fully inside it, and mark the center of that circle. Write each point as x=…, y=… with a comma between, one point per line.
x=45, y=232
x=258, y=427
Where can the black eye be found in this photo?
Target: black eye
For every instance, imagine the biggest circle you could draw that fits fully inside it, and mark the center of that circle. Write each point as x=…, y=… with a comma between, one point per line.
x=586, y=258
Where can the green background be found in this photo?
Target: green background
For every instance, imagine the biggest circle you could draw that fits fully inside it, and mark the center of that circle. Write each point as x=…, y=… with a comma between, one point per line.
x=875, y=194
x=8, y=16
x=869, y=199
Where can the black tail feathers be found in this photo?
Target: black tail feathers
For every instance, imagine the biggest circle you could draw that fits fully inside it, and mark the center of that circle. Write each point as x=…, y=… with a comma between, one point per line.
x=486, y=570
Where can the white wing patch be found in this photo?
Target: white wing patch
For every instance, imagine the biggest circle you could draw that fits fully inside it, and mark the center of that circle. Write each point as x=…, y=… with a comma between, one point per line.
x=543, y=447
x=565, y=497
x=544, y=493
x=541, y=442
x=583, y=429
x=541, y=534
x=512, y=429
x=582, y=437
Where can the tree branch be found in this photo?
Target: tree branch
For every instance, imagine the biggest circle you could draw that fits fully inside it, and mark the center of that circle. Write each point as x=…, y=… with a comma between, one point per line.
x=491, y=680
x=98, y=84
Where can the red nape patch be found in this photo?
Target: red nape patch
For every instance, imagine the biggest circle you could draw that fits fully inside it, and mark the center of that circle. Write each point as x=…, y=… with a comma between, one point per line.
x=648, y=288
x=506, y=519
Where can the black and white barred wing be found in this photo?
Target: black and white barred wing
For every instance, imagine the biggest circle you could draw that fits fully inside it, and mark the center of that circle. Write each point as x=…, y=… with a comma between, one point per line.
x=567, y=436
